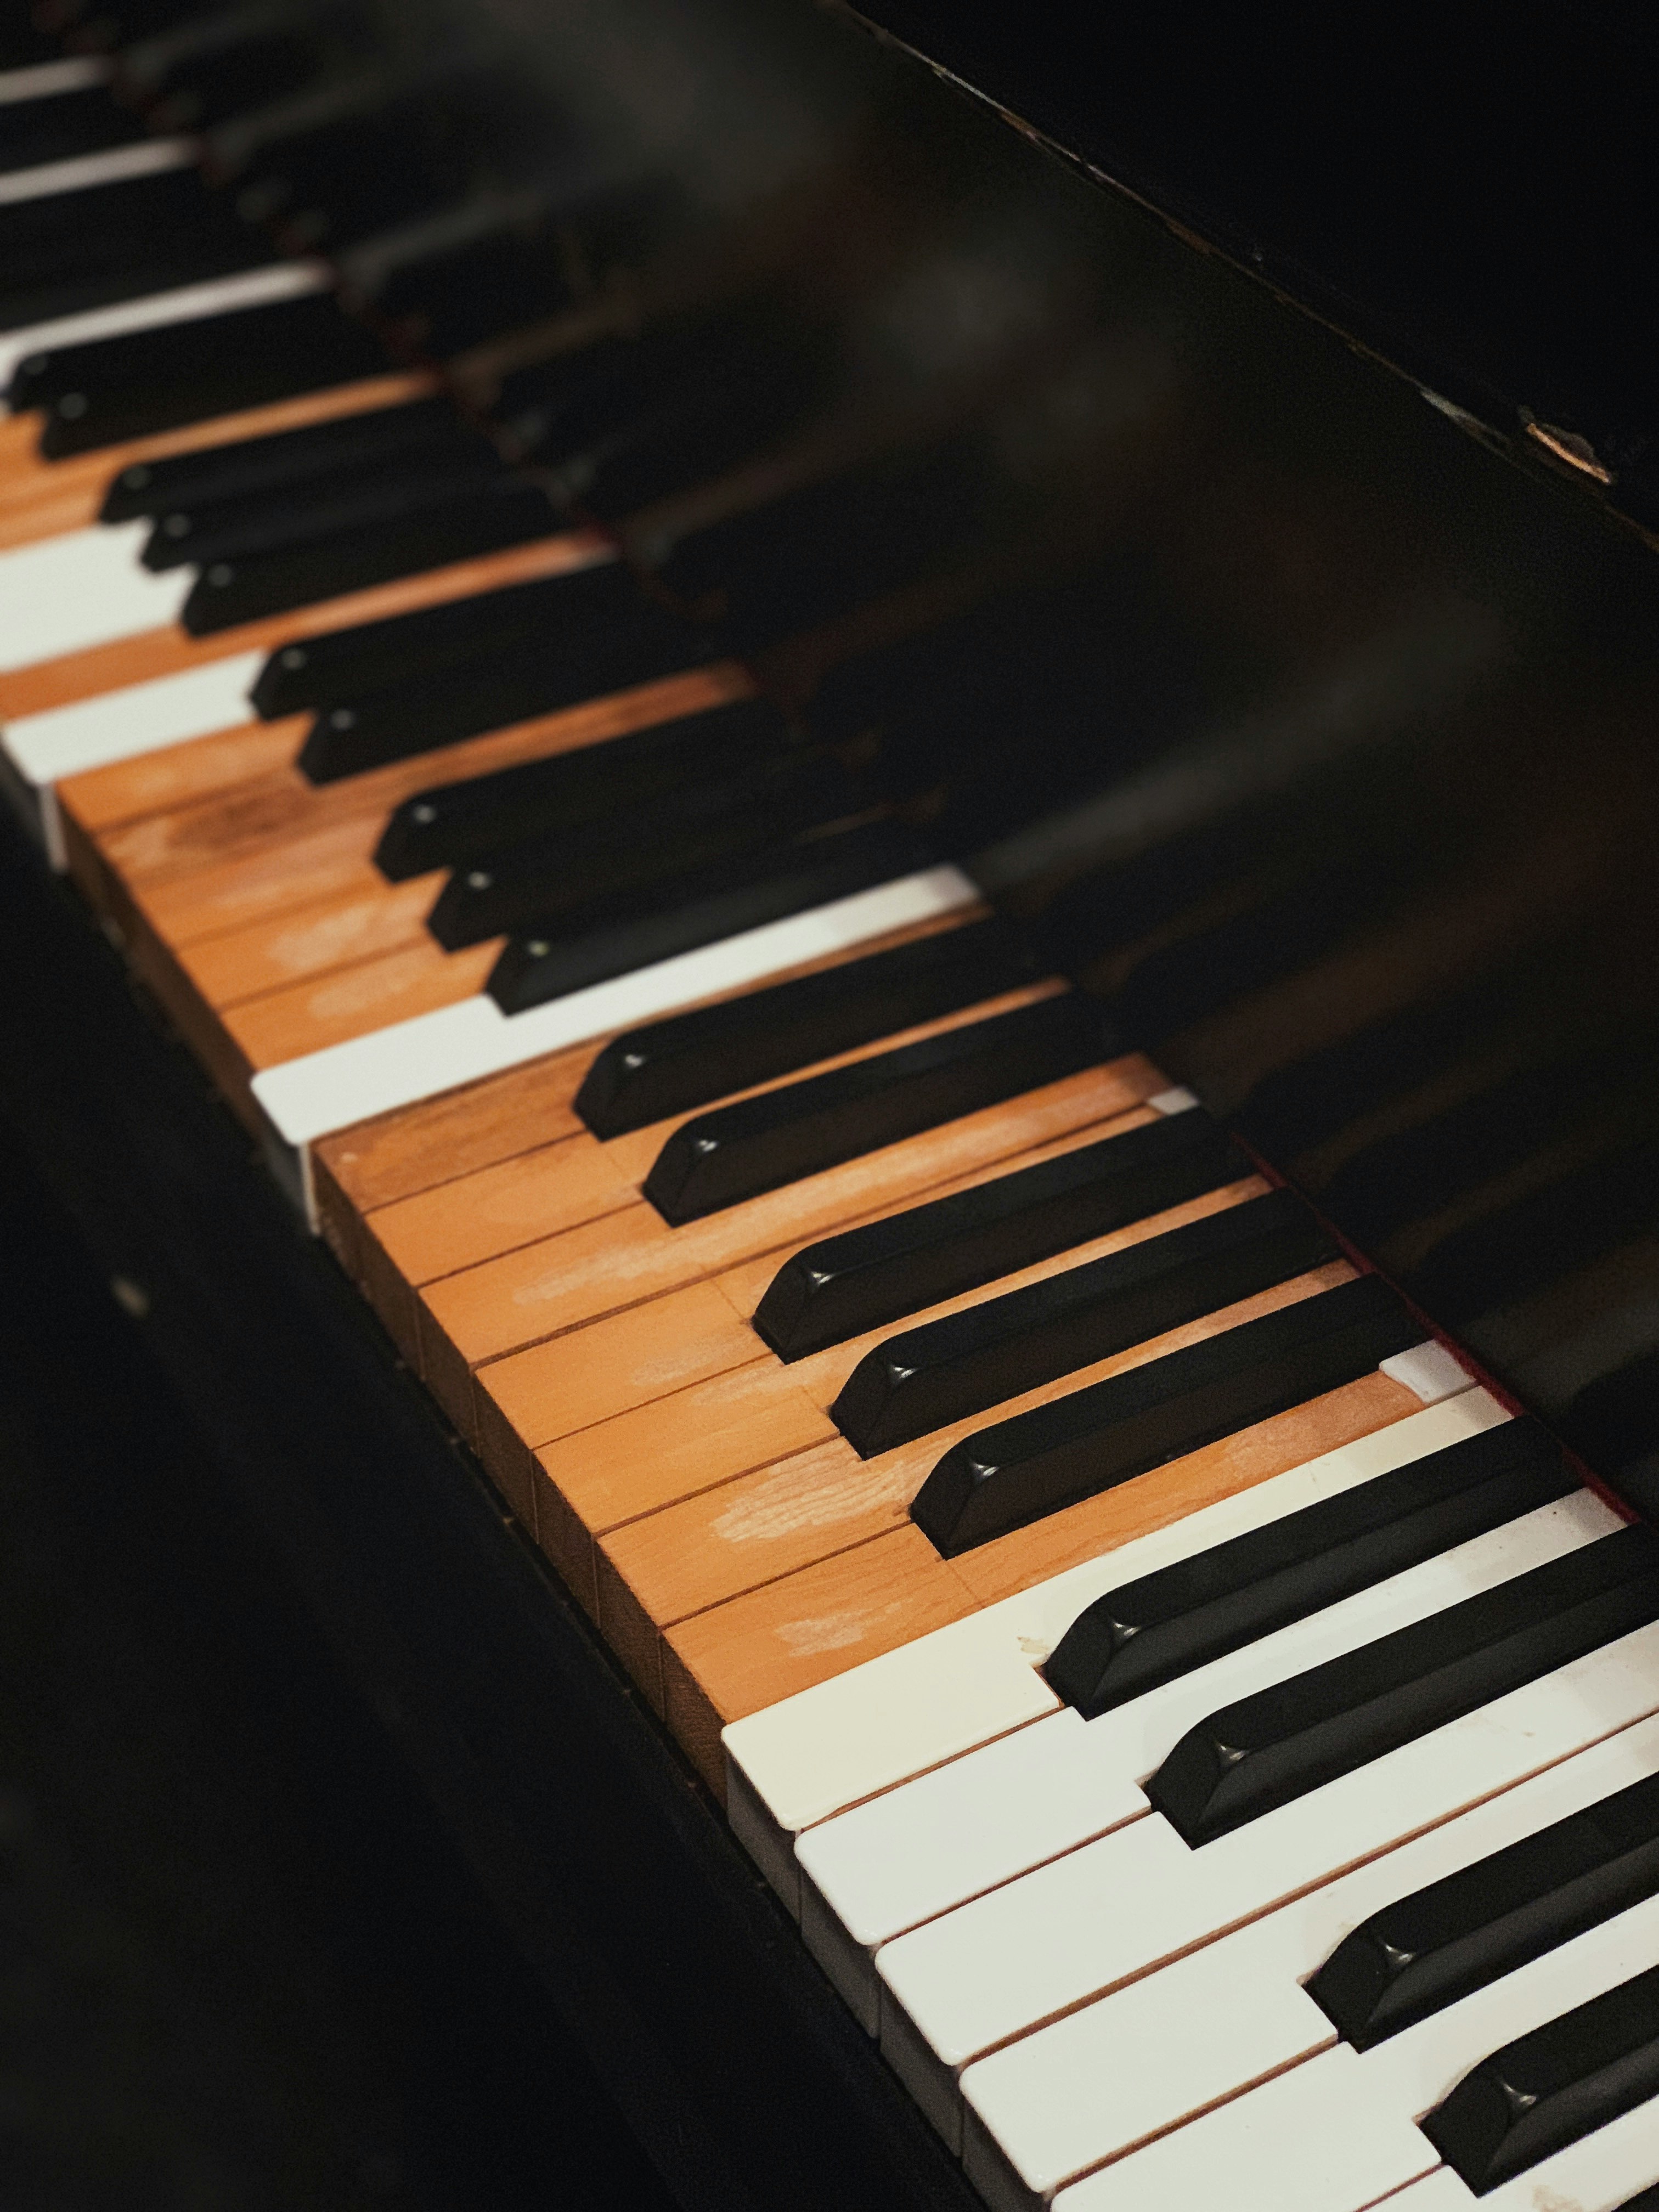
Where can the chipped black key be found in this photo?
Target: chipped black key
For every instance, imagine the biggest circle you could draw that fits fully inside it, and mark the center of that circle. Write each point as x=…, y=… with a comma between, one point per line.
x=1552, y=2087
x=645, y=849
x=342, y=665
x=712, y=1051
x=1267, y=1750
x=1024, y=1468
x=1166, y=1624
x=737, y=1152
x=305, y=573
x=455, y=823
x=614, y=937
x=870, y=1276
x=1456, y=1935
x=959, y=1365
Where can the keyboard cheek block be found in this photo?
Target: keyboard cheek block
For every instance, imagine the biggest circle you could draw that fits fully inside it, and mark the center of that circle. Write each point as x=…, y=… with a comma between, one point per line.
x=1007, y=1476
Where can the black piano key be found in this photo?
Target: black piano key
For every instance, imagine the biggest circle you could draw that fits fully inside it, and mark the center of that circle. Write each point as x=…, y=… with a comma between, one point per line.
x=1249, y=1758
x=737, y=1152
x=1027, y=1467
x=646, y=851
x=148, y=381
x=227, y=593
x=879, y=1274
x=452, y=824
x=614, y=938
x=253, y=467
x=370, y=657
x=693, y=1058
x=119, y=241
x=449, y=463
x=1430, y=1948
x=1147, y=1632
x=561, y=666
x=1552, y=2087
x=959, y=1365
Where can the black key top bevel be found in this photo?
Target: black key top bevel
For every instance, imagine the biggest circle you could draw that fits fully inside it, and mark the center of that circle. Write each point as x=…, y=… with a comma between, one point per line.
x=227, y=593
x=694, y=1058
x=1424, y=1952
x=452, y=824
x=644, y=851
x=1250, y=1758
x=738, y=1152
x=614, y=938
x=867, y=1277
x=368, y=658
x=561, y=667
x=958, y=1367
x=251, y=468
x=1149, y=1630
x=1021, y=1470
x=1552, y=2087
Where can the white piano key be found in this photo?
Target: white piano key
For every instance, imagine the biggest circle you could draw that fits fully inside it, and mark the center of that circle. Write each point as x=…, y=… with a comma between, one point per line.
x=936, y=1841
x=846, y=1739
x=1102, y=1916
x=185, y=303
x=1429, y=1371
x=953, y=1834
x=87, y=587
x=50, y=80
x=1379, y=2096
x=118, y=725
x=305, y=1099
x=1047, y=2108
x=116, y=165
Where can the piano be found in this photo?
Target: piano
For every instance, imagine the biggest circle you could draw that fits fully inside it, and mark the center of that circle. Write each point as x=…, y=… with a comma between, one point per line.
x=841, y=912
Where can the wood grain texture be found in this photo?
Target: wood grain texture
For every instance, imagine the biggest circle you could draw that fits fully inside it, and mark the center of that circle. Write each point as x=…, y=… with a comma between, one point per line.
x=169, y=652
x=736, y=1658
x=586, y=1272
x=40, y=498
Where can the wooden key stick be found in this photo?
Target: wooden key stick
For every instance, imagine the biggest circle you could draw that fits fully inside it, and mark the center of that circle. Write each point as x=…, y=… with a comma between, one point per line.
x=736, y=1658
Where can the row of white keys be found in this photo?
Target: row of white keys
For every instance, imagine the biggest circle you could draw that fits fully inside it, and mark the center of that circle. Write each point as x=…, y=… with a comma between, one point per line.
x=1340, y=2133
x=1071, y=1931
x=812, y=1755
x=1197, y=2033
x=983, y=1820
x=1603, y=2172
x=87, y=588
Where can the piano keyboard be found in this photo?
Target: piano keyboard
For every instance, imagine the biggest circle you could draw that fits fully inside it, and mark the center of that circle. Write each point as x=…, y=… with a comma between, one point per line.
x=1198, y=1730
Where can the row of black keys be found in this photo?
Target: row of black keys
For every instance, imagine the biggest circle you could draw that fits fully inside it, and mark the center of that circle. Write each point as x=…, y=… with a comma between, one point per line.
x=1427, y=1950
x=312, y=138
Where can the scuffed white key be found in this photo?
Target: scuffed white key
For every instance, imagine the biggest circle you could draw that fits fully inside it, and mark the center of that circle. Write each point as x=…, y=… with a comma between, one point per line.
x=953, y=1834
x=116, y=165
x=1089, y=2087
x=185, y=303
x=118, y=725
x=85, y=589
x=1356, y=2114
x=810, y=1756
x=305, y=1099
x=1101, y=1916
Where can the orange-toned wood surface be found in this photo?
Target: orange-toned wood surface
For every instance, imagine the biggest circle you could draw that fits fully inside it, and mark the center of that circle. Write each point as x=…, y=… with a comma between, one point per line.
x=40, y=498
x=99, y=668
